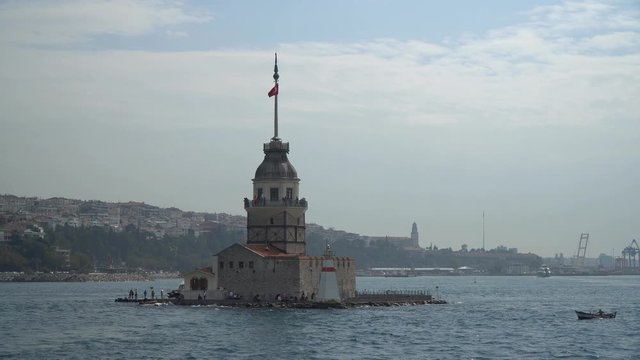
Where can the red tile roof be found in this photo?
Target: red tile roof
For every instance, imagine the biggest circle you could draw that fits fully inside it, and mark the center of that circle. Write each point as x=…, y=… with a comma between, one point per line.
x=207, y=270
x=269, y=251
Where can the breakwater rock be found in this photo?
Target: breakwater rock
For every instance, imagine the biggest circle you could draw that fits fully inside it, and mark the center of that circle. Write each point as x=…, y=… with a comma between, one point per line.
x=409, y=298
x=284, y=305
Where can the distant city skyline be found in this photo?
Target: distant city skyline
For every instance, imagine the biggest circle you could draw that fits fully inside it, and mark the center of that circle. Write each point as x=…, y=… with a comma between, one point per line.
x=38, y=212
x=395, y=112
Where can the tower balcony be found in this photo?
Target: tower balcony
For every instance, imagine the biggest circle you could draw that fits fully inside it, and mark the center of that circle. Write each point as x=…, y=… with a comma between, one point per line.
x=276, y=146
x=285, y=202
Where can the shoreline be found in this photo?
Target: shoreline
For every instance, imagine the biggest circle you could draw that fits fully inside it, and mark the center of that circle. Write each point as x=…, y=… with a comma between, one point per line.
x=84, y=277
x=123, y=277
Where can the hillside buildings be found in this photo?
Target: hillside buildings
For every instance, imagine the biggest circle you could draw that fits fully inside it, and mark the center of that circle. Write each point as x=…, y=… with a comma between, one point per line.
x=28, y=215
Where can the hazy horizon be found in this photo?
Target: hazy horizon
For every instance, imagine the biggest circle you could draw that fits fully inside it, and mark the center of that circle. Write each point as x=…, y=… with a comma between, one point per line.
x=395, y=112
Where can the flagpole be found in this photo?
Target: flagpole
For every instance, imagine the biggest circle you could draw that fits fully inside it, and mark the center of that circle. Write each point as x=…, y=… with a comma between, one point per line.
x=275, y=103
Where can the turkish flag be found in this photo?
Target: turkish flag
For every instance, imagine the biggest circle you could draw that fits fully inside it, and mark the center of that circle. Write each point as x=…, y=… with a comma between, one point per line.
x=273, y=91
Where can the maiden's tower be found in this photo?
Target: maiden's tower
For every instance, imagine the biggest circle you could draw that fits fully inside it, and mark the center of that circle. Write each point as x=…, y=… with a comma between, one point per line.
x=273, y=261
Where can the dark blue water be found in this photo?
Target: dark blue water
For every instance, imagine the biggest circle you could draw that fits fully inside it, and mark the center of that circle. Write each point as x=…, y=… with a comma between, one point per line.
x=496, y=317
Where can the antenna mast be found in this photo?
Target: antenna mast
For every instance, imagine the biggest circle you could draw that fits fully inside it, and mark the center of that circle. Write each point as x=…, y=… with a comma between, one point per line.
x=483, y=230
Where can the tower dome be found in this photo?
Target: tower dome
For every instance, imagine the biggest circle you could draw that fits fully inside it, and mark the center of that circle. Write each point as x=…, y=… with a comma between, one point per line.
x=276, y=165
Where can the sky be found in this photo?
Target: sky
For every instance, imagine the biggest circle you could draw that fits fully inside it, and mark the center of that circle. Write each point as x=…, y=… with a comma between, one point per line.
x=395, y=111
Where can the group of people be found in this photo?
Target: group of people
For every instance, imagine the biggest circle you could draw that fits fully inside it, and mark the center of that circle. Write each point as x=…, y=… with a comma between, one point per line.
x=261, y=201
x=257, y=201
x=231, y=295
x=133, y=294
x=291, y=298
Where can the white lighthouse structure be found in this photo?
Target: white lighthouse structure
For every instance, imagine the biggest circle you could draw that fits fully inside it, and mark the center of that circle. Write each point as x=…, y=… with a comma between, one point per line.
x=328, y=290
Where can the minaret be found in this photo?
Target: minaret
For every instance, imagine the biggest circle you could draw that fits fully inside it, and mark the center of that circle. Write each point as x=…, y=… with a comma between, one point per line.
x=275, y=215
x=414, y=236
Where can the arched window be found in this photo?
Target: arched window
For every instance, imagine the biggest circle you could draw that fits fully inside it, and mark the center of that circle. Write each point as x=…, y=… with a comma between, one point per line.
x=203, y=283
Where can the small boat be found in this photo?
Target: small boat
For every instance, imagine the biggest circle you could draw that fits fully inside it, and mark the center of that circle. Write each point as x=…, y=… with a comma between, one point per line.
x=126, y=300
x=582, y=315
x=544, y=271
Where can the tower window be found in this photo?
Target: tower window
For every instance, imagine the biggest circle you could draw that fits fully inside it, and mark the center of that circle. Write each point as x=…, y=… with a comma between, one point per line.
x=221, y=264
x=250, y=264
x=274, y=194
x=259, y=193
x=289, y=193
x=271, y=221
x=230, y=264
x=241, y=264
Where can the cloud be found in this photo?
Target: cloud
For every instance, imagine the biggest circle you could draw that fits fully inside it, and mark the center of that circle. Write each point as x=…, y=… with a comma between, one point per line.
x=385, y=47
x=541, y=72
x=76, y=21
x=171, y=34
x=518, y=115
x=578, y=16
x=618, y=41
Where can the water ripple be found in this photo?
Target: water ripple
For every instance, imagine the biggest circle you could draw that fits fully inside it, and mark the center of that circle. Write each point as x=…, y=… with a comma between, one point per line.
x=497, y=318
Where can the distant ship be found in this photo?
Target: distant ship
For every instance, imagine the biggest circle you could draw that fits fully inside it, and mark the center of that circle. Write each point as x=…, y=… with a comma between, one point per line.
x=543, y=271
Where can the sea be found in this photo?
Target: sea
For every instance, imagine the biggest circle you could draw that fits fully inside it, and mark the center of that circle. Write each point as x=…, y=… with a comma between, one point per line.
x=486, y=317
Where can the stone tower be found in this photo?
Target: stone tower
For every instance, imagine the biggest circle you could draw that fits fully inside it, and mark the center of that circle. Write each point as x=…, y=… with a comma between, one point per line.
x=414, y=236
x=275, y=215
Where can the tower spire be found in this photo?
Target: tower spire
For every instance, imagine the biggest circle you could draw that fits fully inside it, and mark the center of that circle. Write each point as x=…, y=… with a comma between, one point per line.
x=275, y=103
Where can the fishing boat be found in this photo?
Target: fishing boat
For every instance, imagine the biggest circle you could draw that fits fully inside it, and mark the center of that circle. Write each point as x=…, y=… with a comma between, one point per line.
x=583, y=315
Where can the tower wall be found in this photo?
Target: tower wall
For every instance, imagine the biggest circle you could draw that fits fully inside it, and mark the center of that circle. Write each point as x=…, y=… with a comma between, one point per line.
x=275, y=215
x=252, y=274
x=282, y=227
x=266, y=276
x=282, y=186
x=310, y=269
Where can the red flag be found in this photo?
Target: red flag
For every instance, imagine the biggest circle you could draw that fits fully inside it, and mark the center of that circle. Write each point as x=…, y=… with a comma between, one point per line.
x=273, y=91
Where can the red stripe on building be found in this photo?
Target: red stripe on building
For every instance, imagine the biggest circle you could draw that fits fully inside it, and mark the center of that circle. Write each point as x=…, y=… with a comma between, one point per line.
x=328, y=269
